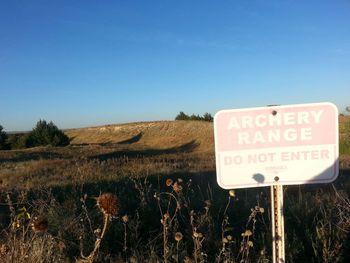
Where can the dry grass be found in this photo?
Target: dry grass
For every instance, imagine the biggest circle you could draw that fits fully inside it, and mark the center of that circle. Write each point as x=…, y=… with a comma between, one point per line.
x=96, y=166
x=111, y=153
x=164, y=176
x=174, y=220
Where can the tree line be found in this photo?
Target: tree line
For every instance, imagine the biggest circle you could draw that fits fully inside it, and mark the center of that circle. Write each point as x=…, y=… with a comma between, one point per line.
x=44, y=133
x=184, y=117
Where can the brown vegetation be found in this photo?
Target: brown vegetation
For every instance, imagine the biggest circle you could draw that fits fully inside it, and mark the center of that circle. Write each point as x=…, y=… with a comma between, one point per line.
x=162, y=195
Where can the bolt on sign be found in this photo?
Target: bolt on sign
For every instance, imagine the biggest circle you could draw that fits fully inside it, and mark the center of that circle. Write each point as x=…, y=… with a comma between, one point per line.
x=284, y=145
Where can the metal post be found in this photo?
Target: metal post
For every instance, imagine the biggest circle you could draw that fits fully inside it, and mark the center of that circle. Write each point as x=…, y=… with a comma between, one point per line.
x=277, y=218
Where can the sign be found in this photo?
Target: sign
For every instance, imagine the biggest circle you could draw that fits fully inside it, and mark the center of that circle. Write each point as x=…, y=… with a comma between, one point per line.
x=283, y=145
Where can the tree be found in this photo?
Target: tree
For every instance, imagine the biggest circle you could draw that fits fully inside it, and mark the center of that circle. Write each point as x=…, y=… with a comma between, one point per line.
x=18, y=141
x=3, y=139
x=47, y=134
x=182, y=116
x=195, y=117
x=207, y=117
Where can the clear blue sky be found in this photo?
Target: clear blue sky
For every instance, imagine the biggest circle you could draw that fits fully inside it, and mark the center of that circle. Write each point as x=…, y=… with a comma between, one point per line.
x=85, y=63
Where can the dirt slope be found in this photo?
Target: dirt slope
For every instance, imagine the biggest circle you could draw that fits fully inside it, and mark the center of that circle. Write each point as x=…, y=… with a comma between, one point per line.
x=160, y=134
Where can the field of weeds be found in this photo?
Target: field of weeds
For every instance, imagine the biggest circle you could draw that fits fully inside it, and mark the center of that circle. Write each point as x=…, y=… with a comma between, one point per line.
x=128, y=201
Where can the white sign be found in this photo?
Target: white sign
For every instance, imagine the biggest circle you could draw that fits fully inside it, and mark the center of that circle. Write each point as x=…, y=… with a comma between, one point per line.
x=292, y=144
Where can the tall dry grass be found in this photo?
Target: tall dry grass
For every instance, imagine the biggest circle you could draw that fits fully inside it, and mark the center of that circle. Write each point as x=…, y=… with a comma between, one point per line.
x=170, y=209
x=170, y=219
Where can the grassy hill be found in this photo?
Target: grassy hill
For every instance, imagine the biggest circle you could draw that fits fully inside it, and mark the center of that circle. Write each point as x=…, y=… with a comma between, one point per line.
x=197, y=135
x=155, y=135
x=112, y=152
x=162, y=134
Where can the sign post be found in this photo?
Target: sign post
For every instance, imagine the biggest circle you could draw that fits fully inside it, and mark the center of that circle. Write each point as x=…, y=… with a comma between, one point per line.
x=275, y=146
x=277, y=219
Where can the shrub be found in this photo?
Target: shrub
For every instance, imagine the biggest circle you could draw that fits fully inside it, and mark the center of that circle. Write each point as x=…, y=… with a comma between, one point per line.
x=46, y=134
x=344, y=142
x=184, y=117
x=3, y=139
x=18, y=141
x=207, y=117
x=195, y=117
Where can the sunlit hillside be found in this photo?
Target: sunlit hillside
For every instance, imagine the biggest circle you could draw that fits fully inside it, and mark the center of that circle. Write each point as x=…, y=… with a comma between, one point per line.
x=159, y=135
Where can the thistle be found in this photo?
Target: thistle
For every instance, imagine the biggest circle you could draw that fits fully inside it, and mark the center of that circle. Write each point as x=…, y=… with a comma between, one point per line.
x=108, y=204
x=40, y=224
x=178, y=236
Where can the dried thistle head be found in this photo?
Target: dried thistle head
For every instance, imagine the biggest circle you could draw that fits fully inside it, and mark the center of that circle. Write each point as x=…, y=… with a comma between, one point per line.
x=247, y=233
x=40, y=224
x=108, y=204
x=177, y=187
x=166, y=216
x=178, y=236
x=168, y=182
x=197, y=234
x=125, y=219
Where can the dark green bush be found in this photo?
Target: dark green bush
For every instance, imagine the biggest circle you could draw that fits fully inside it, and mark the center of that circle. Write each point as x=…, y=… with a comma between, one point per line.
x=184, y=117
x=344, y=142
x=46, y=134
x=3, y=139
x=207, y=117
x=18, y=140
